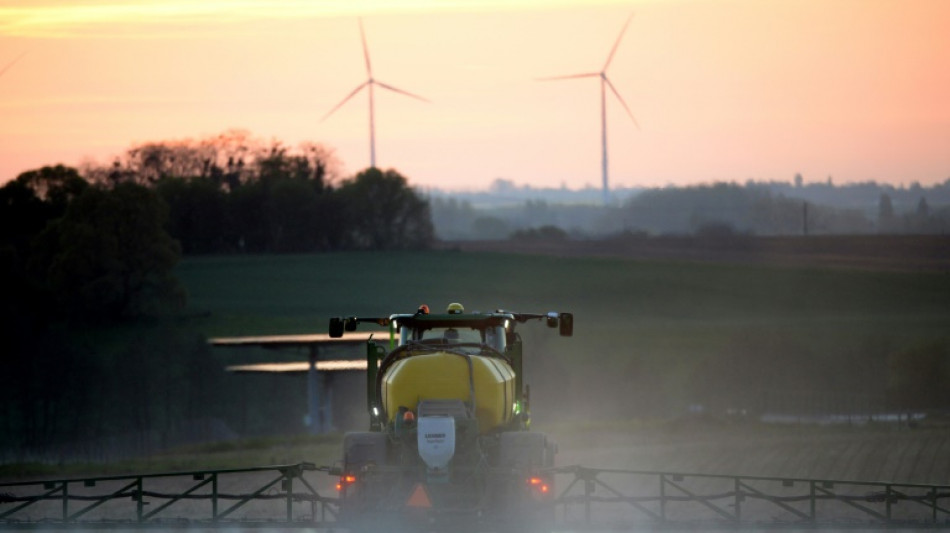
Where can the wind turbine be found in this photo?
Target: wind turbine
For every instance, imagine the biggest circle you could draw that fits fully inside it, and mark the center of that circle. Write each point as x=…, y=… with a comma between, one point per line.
x=369, y=84
x=604, y=84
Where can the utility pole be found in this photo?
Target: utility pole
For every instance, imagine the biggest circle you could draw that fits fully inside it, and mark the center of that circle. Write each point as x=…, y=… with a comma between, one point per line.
x=805, y=219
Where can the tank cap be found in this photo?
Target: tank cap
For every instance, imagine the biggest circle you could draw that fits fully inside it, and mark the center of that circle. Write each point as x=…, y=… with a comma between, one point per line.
x=455, y=308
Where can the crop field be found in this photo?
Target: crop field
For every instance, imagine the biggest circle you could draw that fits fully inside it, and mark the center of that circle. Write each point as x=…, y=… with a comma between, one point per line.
x=651, y=336
x=860, y=252
x=865, y=453
x=612, y=298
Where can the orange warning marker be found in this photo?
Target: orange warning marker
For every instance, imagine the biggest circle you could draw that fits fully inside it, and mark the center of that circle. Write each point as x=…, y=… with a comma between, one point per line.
x=419, y=498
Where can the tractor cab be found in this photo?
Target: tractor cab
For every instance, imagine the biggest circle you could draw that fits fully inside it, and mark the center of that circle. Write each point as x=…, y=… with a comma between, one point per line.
x=454, y=329
x=493, y=336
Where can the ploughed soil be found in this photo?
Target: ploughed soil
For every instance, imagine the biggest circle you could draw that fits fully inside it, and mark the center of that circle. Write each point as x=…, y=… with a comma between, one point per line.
x=882, y=453
x=879, y=252
x=788, y=473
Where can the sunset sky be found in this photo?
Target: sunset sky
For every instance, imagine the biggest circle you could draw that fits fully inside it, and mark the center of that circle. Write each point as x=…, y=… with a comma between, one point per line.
x=722, y=90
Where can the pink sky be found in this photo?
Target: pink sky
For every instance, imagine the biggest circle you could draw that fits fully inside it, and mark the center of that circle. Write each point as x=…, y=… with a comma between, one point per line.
x=722, y=90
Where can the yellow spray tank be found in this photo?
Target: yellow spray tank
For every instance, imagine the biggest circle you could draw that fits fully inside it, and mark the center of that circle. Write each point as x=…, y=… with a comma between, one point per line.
x=455, y=356
x=473, y=358
x=484, y=383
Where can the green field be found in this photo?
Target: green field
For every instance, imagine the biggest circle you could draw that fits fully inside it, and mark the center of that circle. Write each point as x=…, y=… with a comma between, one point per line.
x=650, y=336
x=653, y=340
x=281, y=294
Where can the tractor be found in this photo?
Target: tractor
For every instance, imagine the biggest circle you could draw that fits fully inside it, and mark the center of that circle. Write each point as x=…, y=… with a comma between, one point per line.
x=450, y=444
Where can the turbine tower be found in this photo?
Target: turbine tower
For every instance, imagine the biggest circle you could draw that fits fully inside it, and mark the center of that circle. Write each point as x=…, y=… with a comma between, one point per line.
x=369, y=85
x=604, y=84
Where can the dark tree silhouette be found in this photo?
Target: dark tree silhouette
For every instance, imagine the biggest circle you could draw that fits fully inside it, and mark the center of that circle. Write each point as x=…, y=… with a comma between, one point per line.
x=110, y=256
x=198, y=214
x=384, y=213
x=32, y=200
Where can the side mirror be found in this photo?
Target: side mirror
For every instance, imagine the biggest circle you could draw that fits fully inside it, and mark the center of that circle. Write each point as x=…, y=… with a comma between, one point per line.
x=566, y=327
x=350, y=323
x=336, y=328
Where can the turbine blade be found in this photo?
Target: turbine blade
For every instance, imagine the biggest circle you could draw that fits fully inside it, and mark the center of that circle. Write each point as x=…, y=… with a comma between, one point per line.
x=369, y=69
x=617, y=94
x=616, y=44
x=400, y=91
x=569, y=76
x=10, y=64
x=351, y=95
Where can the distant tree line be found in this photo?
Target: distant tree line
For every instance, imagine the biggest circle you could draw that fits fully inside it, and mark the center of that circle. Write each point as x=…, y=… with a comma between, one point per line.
x=767, y=209
x=234, y=194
